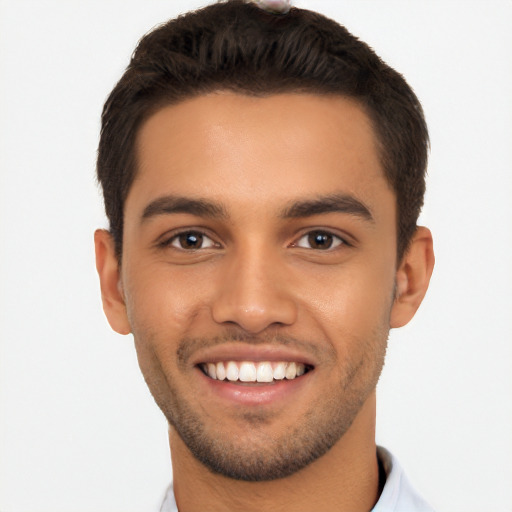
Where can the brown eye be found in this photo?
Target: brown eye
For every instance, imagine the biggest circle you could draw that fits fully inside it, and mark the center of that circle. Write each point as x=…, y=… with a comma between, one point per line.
x=192, y=240
x=319, y=240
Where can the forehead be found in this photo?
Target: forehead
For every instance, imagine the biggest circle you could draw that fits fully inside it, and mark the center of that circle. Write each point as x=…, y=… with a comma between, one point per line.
x=270, y=149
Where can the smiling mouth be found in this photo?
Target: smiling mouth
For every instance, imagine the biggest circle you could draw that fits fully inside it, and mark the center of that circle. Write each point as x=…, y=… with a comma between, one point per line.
x=248, y=371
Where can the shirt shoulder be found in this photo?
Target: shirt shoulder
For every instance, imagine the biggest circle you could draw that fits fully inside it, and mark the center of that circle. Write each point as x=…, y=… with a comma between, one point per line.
x=169, y=503
x=398, y=494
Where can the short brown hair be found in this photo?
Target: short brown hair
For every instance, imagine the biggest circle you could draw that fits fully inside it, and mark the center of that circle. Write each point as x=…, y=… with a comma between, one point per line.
x=236, y=46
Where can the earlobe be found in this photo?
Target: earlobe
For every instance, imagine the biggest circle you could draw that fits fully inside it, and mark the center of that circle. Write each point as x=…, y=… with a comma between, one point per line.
x=112, y=294
x=413, y=277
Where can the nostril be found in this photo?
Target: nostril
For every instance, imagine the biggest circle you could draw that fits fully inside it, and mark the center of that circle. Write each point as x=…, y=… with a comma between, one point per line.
x=255, y=319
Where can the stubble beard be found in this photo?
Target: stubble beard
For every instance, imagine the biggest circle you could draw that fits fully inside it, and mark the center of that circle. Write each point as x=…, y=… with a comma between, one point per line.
x=263, y=454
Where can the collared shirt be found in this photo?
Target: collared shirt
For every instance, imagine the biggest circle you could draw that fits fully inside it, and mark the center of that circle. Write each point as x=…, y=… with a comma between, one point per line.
x=398, y=495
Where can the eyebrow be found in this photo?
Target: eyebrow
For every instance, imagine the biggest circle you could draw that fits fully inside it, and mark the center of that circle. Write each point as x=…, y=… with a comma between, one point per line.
x=333, y=203
x=167, y=205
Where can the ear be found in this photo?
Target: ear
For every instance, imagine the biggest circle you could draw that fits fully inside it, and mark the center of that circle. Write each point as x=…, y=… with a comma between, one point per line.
x=108, y=269
x=413, y=277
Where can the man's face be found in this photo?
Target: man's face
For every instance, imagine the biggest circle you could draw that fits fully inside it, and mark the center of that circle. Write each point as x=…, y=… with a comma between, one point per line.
x=259, y=235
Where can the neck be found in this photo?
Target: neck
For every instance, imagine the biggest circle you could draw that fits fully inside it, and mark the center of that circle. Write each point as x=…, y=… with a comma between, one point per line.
x=345, y=479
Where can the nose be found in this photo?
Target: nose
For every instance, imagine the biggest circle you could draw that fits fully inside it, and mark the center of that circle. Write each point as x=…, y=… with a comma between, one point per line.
x=254, y=293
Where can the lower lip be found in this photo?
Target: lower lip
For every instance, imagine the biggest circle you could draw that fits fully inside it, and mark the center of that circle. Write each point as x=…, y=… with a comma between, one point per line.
x=254, y=394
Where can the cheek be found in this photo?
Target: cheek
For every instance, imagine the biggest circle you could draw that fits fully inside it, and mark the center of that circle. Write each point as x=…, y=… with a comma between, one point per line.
x=164, y=300
x=355, y=300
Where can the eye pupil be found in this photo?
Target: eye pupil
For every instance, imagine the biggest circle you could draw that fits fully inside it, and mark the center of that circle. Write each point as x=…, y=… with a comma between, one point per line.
x=320, y=240
x=191, y=240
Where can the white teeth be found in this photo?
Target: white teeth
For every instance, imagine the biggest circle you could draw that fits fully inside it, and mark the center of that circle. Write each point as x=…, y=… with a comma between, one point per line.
x=265, y=373
x=247, y=372
x=221, y=371
x=232, y=371
x=212, y=371
x=280, y=371
x=291, y=371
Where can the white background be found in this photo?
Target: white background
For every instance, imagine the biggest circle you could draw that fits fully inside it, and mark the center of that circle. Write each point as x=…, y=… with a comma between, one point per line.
x=78, y=429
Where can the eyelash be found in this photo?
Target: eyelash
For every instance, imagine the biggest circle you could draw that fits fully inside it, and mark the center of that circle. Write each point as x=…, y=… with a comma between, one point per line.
x=321, y=233
x=334, y=241
x=175, y=239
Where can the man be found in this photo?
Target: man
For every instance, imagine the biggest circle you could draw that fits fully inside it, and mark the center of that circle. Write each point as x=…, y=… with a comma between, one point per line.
x=263, y=172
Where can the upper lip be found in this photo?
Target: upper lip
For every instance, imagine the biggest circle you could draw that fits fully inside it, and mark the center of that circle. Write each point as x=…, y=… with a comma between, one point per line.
x=245, y=352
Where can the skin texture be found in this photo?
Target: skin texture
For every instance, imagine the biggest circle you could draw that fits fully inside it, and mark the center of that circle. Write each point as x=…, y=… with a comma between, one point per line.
x=253, y=176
